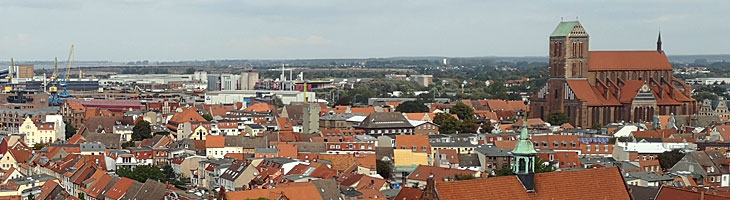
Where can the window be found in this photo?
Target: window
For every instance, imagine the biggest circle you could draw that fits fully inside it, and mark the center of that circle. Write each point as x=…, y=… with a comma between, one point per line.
x=415, y=148
x=605, y=148
x=588, y=147
x=424, y=148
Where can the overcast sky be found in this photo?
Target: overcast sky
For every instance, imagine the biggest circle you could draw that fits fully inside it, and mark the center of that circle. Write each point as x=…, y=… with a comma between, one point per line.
x=127, y=30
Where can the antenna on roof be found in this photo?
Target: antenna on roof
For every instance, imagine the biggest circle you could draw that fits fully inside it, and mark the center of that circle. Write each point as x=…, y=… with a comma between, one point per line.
x=561, y=19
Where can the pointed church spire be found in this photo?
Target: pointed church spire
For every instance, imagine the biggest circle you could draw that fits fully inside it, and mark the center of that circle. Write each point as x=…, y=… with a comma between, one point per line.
x=659, y=43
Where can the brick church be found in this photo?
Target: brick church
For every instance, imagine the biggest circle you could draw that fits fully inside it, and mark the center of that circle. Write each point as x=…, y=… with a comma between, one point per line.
x=600, y=87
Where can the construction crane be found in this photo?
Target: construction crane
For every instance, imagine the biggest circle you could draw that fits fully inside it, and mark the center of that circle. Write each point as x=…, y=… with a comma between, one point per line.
x=9, y=88
x=53, y=90
x=66, y=73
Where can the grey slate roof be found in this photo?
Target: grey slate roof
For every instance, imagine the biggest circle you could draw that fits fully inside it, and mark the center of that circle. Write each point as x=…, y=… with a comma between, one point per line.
x=246, y=142
x=491, y=150
x=469, y=160
x=92, y=146
x=151, y=189
x=266, y=150
x=385, y=120
x=452, y=144
x=650, y=176
x=328, y=189
x=311, y=147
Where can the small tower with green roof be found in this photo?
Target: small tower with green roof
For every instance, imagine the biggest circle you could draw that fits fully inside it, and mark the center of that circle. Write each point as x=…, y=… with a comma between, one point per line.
x=524, y=155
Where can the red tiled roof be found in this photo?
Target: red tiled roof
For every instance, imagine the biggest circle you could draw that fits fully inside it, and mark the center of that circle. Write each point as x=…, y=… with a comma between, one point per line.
x=416, y=116
x=601, y=183
x=287, y=150
x=410, y=141
x=583, y=91
x=486, y=114
x=215, y=141
x=672, y=193
x=629, y=90
x=505, y=144
x=284, y=124
x=422, y=172
x=260, y=107
x=367, y=182
x=364, y=110
x=187, y=115
x=218, y=110
x=234, y=156
x=21, y=156
x=409, y=193
x=366, y=161
x=119, y=189
x=497, y=104
x=664, y=133
x=627, y=60
x=292, y=191
x=340, y=162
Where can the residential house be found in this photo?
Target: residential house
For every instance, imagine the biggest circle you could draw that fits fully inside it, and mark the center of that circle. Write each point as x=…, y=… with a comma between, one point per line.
x=492, y=158
x=420, y=175
x=380, y=123
x=709, y=168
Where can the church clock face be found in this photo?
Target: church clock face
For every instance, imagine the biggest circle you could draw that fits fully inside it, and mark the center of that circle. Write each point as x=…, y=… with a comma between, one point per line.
x=645, y=88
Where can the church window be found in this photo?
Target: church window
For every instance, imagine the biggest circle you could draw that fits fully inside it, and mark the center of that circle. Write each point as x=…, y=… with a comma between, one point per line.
x=573, y=70
x=522, y=165
x=575, y=48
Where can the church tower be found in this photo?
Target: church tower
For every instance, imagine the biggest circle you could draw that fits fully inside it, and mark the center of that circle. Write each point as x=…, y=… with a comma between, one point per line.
x=524, y=155
x=569, y=51
x=568, y=60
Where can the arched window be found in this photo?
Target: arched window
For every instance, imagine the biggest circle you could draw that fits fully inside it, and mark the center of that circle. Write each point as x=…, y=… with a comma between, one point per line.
x=522, y=165
x=573, y=70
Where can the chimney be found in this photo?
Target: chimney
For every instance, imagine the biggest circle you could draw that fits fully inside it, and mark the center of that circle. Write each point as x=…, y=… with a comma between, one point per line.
x=702, y=195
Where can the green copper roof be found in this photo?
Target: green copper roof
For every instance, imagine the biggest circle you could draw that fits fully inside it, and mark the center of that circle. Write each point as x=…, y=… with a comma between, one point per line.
x=524, y=146
x=564, y=28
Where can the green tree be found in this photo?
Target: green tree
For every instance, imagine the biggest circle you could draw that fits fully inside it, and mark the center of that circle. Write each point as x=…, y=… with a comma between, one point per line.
x=505, y=171
x=141, y=131
x=38, y=146
x=669, y=158
x=190, y=70
x=702, y=95
x=486, y=127
x=540, y=167
x=142, y=173
x=278, y=102
x=127, y=144
x=385, y=169
x=464, y=177
x=463, y=111
x=468, y=126
x=597, y=126
x=412, y=107
x=207, y=116
x=447, y=123
x=70, y=130
x=558, y=118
